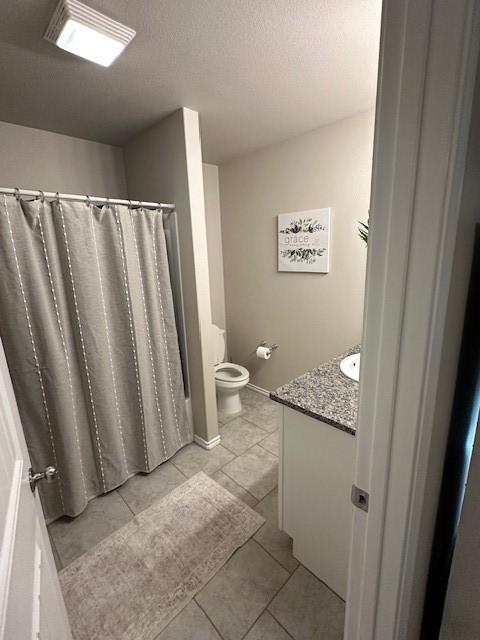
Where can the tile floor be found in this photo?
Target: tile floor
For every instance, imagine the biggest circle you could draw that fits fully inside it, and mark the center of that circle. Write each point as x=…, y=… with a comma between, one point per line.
x=262, y=592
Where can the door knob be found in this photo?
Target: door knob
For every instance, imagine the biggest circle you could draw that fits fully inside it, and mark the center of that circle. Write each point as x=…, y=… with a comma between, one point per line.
x=49, y=474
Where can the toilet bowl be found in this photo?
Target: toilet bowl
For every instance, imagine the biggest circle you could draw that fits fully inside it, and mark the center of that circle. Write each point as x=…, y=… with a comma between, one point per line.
x=230, y=378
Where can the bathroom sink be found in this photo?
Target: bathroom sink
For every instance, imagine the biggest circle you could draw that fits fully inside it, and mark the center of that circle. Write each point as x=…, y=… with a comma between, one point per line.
x=350, y=366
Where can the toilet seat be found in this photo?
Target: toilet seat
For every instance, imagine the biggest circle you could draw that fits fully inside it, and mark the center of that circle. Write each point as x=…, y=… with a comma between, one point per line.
x=229, y=372
x=230, y=378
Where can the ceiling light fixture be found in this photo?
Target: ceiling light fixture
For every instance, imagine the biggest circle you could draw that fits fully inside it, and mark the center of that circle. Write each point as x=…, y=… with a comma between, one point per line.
x=87, y=33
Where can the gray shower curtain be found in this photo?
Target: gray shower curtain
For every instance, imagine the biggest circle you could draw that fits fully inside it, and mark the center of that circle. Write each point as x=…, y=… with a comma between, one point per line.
x=88, y=327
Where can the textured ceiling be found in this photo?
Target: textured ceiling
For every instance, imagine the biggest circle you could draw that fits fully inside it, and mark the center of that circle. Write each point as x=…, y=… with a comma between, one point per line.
x=258, y=71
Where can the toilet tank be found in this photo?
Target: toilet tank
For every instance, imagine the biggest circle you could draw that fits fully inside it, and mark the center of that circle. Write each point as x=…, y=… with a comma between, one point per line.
x=218, y=344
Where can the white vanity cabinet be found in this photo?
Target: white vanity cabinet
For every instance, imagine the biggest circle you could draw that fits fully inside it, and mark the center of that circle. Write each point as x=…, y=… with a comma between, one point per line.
x=315, y=480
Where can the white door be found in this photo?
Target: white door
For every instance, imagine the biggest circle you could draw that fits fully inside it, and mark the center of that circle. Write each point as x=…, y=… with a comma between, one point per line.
x=413, y=319
x=31, y=603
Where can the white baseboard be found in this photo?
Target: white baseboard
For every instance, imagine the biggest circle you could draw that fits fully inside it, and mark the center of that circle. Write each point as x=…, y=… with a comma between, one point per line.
x=254, y=387
x=207, y=444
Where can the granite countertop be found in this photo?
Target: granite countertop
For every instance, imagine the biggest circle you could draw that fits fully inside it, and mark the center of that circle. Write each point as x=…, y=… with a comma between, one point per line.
x=324, y=393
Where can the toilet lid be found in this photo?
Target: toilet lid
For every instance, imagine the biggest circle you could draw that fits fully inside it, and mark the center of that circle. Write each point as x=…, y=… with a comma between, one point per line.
x=229, y=372
x=218, y=344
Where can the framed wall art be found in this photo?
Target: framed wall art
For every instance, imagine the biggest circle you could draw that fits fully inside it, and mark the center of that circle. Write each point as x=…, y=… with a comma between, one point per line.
x=304, y=241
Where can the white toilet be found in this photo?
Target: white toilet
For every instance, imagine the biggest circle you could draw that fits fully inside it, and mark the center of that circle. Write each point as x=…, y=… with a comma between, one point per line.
x=230, y=378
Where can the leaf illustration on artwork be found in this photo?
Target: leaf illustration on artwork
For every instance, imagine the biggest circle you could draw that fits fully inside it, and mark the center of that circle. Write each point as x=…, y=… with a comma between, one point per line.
x=302, y=255
x=307, y=225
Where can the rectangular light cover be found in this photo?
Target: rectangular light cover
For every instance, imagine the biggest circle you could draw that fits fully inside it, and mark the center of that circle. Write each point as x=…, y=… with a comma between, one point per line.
x=87, y=33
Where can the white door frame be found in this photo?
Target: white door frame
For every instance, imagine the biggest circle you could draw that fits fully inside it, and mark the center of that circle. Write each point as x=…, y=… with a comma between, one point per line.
x=428, y=59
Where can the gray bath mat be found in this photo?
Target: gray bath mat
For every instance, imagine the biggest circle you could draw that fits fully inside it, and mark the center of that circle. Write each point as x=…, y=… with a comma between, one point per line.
x=133, y=583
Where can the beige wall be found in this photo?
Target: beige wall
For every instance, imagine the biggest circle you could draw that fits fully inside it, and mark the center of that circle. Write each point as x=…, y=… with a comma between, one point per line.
x=311, y=316
x=214, y=242
x=165, y=163
x=36, y=159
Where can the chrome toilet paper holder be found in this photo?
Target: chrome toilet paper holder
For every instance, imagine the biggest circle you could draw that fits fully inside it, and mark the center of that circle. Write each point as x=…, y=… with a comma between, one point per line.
x=270, y=347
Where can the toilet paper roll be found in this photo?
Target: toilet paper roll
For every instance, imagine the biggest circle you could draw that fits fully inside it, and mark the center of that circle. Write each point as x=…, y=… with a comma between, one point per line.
x=263, y=353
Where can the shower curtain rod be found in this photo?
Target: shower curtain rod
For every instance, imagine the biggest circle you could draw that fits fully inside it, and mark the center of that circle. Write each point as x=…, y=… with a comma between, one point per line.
x=96, y=199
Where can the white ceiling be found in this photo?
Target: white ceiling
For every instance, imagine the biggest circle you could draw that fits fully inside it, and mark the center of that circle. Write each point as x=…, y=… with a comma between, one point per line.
x=258, y=71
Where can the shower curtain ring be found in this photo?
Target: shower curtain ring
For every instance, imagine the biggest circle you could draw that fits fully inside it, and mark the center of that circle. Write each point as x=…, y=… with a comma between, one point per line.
x=42, y=196
x=89, y=202
x=57, y=197
x=130, y=205
x=17, y=193
x=107, y=203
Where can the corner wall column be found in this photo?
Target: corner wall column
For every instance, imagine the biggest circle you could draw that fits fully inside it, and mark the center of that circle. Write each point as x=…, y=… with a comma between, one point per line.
x=164, y=163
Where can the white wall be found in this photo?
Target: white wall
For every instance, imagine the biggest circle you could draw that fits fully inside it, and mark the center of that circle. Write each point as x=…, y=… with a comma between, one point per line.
x=36, y=159
x=214, y=243
x=164, y=163
x=311, y=316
